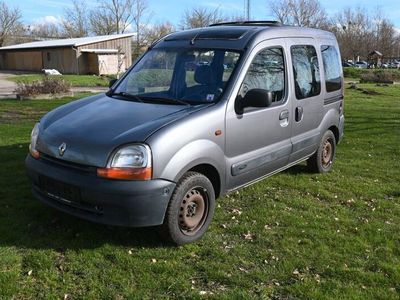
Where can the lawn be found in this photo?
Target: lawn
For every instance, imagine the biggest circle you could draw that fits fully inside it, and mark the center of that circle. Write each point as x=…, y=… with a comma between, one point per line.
x=293, y=235
x=74, y=80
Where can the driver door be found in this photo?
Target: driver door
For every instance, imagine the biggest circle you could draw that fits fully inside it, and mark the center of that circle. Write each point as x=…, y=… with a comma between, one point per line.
x=258, y=139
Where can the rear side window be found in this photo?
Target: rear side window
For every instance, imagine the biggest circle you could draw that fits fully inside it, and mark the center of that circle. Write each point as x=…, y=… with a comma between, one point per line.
x=333, y=74
x=306, y=71
x=267, y=72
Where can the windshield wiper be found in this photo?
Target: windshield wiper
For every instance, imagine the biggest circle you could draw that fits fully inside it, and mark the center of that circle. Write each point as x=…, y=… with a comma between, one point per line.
x=127, y=95
x=165, y=100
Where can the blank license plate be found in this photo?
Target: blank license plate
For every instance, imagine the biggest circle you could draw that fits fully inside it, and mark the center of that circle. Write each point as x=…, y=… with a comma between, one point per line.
x=59, y=190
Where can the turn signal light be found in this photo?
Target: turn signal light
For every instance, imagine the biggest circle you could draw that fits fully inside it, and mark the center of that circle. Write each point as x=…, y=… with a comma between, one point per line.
x=34, y=153
x=125, y=173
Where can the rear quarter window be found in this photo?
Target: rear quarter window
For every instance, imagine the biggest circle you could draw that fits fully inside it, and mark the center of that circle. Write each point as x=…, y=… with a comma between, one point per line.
x=332, y=68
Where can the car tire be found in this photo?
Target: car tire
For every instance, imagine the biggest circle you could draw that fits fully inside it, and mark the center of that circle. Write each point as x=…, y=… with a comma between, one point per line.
x=322, y=160
x=190, y=209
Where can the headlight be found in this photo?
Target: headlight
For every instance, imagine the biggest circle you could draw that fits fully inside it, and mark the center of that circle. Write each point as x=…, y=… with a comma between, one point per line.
x=132, y=162
x=34, y=137
x=134, y=156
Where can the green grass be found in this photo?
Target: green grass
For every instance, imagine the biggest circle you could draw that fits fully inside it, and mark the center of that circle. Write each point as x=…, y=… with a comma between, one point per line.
x=293, y=235
x=74, y=80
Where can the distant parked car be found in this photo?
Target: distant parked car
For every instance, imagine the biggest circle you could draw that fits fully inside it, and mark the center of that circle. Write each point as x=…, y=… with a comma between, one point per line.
x=384, y=65
x=190, y=66
x=347, y=64
x=361, y=64
x=394, y=64
x=203, y=63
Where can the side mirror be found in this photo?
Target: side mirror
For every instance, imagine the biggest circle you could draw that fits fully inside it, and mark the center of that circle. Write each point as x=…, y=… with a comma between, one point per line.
x=111, y=83
x=254, y=98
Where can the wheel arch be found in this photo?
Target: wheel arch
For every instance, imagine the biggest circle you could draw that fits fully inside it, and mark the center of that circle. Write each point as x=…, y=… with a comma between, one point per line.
x=202, y=156
x=211, y=173
x=331, y=122
x=335, y=131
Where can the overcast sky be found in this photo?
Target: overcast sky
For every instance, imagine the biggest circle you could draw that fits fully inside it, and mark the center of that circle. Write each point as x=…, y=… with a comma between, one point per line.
x=171, y=10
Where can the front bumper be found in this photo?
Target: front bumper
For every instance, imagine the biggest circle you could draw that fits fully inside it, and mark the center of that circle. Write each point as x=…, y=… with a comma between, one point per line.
x=112, y=202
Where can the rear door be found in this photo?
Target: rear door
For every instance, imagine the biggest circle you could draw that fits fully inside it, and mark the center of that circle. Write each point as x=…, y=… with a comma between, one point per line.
x=307, y=98
x=258, y=140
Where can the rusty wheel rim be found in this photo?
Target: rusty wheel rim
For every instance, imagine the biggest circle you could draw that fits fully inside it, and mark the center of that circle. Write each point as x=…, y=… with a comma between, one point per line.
x=327, y=153
x=193, y=211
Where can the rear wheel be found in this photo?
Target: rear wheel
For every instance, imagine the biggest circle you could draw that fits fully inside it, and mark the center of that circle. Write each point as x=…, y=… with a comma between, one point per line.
x=322, y=160
x=190, y=210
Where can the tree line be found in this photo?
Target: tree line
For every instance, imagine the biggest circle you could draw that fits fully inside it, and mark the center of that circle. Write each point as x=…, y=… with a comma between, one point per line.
x=358, y=30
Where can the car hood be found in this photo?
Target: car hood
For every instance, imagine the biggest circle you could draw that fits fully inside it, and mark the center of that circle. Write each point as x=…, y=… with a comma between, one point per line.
x=93, y=127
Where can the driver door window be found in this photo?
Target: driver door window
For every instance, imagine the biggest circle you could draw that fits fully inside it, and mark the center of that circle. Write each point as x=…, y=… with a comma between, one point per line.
x=267, y=72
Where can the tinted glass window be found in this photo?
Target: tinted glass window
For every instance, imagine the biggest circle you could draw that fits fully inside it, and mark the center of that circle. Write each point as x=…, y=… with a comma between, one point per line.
x=267, y=71
x=333, y=74
x=306, y=71
x=229, y=60
x=190, y=75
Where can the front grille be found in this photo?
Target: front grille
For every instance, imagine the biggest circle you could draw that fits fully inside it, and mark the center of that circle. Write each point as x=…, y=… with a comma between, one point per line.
x=66, y=195
x=63, y=163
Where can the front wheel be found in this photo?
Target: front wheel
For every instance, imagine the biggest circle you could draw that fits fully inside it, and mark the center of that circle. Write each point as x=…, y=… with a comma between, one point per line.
x=322, y=160
x=190, y=209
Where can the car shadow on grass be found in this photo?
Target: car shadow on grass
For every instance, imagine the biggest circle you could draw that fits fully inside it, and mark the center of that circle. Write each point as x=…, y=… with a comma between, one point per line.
x=298, y=169
x=27, y=223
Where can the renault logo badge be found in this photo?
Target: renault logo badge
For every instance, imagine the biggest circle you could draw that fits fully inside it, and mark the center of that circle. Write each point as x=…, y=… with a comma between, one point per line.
x=62, y=149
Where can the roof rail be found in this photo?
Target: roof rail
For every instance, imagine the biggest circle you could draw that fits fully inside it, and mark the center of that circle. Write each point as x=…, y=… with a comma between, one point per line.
x=248, y=23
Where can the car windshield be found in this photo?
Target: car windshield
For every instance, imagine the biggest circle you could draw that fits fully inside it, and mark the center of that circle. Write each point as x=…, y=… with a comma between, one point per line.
x=179, y=76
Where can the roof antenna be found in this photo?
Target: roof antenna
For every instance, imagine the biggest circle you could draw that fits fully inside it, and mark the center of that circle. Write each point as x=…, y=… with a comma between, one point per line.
x=194, y=38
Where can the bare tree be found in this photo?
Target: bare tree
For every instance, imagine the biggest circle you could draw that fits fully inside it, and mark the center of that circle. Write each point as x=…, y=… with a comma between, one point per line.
x=384, y=34
x=353, y=31
x=75, y=22
x=396, y=47
x=10, y=22
x=303, y=13
x=236, y=18
x=120, y=60
x=157, y=31
x=118, y=16
x=386, y=38
x=101, y=23
x=112, y=16
x=281, y=10
x=46, y=30
x=140, y=19
x=200, y=17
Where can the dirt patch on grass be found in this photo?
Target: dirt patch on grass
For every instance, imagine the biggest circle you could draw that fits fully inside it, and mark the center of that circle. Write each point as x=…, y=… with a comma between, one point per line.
x=15, y=117
x=370, y=92
x=353, y=86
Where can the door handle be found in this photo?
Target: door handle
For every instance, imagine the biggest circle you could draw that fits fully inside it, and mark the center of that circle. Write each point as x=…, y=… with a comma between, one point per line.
x=284, y=115
x=284, y=118
x=298, y=113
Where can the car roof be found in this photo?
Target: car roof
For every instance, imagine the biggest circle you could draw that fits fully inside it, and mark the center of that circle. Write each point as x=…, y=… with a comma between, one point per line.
x=237, y=36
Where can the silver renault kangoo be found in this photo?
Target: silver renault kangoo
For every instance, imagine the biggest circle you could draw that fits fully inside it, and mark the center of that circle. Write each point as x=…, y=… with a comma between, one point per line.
x=202, y=113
